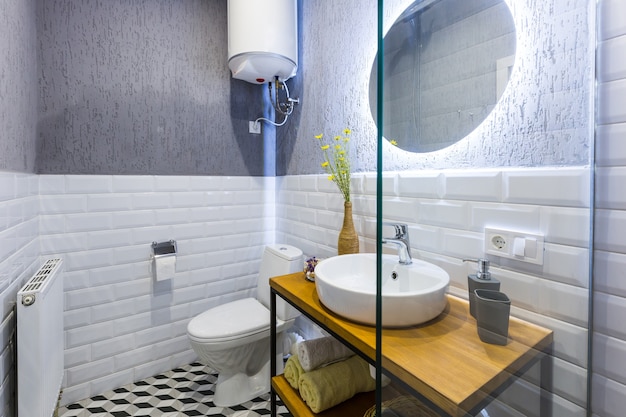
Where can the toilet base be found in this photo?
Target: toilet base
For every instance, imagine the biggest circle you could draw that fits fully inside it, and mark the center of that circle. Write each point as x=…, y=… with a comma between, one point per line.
x=239, y=388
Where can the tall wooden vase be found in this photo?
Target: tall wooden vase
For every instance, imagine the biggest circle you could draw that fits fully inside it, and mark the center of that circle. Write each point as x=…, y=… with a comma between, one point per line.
x=348, y=239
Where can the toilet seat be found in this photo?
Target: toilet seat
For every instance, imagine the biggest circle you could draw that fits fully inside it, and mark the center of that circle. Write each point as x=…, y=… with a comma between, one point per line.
x=232, y=324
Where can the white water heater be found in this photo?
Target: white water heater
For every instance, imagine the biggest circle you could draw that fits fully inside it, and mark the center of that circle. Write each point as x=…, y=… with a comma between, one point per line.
x=262, y=39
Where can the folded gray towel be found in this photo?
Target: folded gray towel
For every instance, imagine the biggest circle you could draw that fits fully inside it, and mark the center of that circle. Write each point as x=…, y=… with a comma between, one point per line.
x=318, y=352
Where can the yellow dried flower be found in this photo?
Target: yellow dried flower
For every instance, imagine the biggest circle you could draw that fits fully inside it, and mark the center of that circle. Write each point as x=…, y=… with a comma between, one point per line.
x=336, y=162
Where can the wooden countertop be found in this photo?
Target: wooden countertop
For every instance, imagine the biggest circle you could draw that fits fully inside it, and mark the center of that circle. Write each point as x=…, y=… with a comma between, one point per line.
x=443, y=360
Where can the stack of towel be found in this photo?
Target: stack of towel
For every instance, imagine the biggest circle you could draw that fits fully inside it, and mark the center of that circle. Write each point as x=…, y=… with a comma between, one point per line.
x=327, y=373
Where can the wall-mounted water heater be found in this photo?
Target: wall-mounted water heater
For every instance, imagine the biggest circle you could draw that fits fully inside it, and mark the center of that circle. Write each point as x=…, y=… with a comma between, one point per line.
x=262, y=39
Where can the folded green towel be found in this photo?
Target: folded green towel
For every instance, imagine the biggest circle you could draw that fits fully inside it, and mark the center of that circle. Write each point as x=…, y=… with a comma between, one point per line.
x=326, y=387
x=292, y=371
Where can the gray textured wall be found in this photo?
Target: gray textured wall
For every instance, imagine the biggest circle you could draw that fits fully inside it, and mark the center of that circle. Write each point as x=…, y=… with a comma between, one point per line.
x=142, y=87
x=545, y=117
x=332, y=82
x=18, y=85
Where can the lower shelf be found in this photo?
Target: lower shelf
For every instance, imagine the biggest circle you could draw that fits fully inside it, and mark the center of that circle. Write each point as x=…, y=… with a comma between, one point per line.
x=354, y=407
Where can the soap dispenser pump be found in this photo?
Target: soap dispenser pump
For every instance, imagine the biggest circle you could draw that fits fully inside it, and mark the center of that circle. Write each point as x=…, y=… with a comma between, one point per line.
x=480, y=280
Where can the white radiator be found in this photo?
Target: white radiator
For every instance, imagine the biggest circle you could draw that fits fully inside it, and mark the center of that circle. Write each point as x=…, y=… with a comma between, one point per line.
x=40, y=341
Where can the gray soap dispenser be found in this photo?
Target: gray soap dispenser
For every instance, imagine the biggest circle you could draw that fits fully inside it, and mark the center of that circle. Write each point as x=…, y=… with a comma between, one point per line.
x=481, y=280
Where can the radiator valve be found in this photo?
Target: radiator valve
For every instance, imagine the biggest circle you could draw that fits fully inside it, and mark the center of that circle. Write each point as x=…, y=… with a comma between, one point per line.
x=28, y=299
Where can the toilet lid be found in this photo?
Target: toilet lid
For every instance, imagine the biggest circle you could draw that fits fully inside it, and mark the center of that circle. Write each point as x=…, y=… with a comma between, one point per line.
x=231, y=320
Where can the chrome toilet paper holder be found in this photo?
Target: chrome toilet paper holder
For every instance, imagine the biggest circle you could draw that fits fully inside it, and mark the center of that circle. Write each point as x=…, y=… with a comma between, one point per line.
x=163, y=249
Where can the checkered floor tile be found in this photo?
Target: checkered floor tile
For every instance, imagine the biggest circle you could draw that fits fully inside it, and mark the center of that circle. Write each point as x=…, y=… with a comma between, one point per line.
x=185, y=391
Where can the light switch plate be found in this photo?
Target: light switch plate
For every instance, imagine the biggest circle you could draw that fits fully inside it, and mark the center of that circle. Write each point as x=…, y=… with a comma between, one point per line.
x=518, y=245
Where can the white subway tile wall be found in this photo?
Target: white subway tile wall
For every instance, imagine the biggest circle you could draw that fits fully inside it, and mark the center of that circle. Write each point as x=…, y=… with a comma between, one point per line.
x=19, y=252
x=446, y=224
x=121, y=326
x=609, y=337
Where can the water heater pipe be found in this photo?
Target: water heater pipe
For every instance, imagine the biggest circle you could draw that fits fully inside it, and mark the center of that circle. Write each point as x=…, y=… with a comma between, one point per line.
x=284, y=108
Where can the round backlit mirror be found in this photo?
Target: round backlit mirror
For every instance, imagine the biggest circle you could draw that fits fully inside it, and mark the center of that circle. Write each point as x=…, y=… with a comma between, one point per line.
x=446, y=64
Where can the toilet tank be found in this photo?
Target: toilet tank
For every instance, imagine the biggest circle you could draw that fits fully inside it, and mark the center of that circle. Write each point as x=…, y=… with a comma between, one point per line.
x=278, y=260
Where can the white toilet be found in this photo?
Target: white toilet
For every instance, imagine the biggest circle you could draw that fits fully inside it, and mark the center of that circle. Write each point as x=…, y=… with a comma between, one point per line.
x=234, y=338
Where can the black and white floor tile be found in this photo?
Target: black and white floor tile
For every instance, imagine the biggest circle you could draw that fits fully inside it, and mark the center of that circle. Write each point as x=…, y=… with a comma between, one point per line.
x=185, y=391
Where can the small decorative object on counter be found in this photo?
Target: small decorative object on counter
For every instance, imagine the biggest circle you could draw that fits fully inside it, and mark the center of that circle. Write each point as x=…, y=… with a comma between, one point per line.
x=348, y=241
x=309, y=268
x=337, y=165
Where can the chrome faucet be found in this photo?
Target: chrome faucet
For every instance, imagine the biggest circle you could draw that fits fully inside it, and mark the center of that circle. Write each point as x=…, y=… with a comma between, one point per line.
x=401, y=240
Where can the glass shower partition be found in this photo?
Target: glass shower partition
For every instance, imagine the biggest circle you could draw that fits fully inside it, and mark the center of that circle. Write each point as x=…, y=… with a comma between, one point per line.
x=484, y=112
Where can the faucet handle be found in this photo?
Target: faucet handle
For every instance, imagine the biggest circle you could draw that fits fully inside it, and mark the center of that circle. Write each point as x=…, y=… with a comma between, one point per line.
x=401, y=229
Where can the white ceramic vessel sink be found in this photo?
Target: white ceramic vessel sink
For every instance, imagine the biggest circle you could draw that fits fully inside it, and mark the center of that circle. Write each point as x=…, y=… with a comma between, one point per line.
x=411, y=294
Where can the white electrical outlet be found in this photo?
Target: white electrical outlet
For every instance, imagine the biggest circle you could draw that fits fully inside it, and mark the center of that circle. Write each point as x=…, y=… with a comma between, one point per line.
x=254, y=127
x=522, y=246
